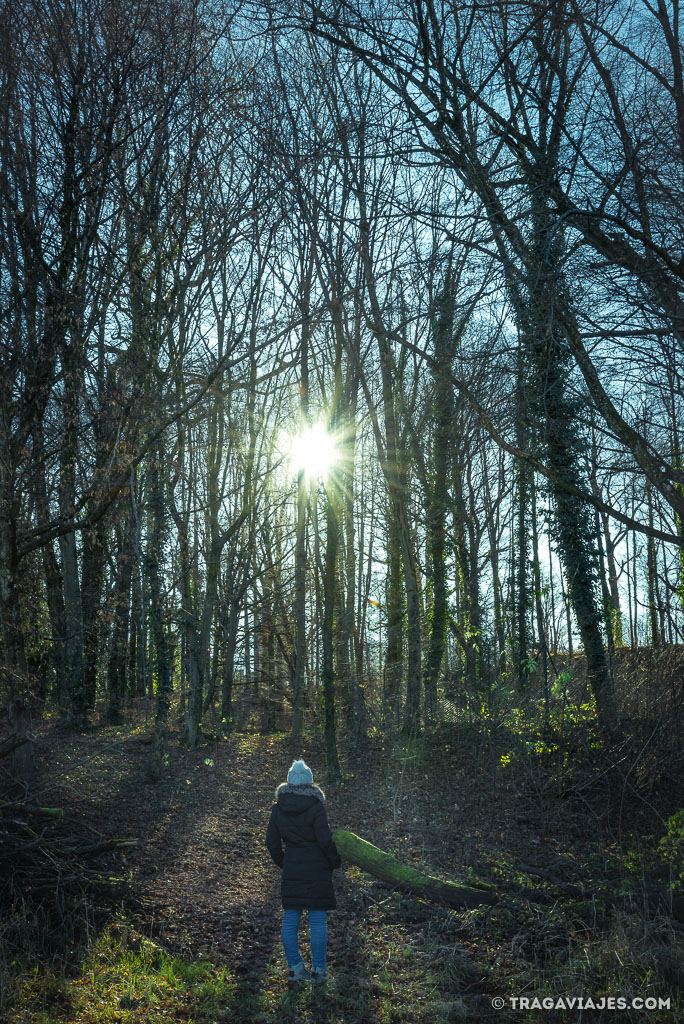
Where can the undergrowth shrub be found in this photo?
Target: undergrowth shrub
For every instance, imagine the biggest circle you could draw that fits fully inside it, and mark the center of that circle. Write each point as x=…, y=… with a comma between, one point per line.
x=671, y=848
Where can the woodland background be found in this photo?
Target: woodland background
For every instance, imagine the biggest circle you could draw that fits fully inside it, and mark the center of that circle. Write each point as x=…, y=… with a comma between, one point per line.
x=450, y=237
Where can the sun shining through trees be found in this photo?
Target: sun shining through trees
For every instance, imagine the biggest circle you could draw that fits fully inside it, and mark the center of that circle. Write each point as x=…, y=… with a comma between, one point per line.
x=313, y=450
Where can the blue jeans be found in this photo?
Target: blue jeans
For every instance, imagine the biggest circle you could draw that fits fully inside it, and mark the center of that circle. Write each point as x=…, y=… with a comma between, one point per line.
x=318, y=932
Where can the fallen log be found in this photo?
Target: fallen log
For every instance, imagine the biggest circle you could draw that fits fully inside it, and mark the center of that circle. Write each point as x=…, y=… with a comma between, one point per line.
x=407, y=879
x=107, y=846
x=576, y=891
x=23, y=808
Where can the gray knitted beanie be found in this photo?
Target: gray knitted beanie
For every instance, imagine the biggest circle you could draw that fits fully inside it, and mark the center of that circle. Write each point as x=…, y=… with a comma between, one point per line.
x=300, y=774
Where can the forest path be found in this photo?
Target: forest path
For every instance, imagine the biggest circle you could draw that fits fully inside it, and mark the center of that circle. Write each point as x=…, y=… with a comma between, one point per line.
x=205, y=888
x=200, y=871
x=201, y=876
x=204, y=875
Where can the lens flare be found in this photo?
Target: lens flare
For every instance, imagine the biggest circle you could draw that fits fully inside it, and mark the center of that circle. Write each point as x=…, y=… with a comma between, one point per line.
x=313, y=451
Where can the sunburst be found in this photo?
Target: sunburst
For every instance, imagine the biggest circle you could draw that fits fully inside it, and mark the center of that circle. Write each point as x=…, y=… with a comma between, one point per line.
x=313, y=451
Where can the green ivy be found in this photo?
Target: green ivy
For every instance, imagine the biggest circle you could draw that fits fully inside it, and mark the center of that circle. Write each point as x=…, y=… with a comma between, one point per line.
x=671, y=849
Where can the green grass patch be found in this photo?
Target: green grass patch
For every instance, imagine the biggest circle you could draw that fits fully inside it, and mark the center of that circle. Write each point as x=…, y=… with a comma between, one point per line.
x=124, y=978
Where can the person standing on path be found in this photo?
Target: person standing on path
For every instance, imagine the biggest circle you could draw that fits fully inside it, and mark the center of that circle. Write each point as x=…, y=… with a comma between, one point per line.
x=300, y=842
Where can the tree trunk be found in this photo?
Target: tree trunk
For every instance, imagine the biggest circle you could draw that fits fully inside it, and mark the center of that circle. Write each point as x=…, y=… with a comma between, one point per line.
x=615, y=609
x=54, y=592
x=443, y=342
x=521, y=589
x=121, y=615
x=154, y=560
x=228, y=674
x=411, y=724
x=73, y=624
x=134, y=666
x=268, y=647
x=407, y=879
x=492, y=533
x=193, y=664
x=91, y=588
x=329, y=590
x=469, y=632
x=541, y=632
x=22, y=750
x=299, y=680
x=394, y=472
x=545, y=306
x=357, y=712
x=652, y=578
x=54, y=584
x=395, y=616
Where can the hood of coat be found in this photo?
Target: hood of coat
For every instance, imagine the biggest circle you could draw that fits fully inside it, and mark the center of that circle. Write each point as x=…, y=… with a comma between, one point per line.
x=295, y=799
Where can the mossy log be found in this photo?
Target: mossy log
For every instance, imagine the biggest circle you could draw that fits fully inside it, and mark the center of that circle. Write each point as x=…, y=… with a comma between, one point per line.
x=406, y=879
x=22, y=808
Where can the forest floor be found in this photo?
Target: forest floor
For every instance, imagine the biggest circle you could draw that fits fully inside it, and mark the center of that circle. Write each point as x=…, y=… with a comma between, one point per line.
x=196, y=937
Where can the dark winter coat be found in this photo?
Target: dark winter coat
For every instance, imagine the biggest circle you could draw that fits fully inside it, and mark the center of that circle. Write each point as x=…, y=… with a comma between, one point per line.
x=301, y=843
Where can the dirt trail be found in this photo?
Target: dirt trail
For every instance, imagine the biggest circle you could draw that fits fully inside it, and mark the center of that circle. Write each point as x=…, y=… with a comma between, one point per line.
x=205, y=887
x=201, y=875
x=205, y=876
